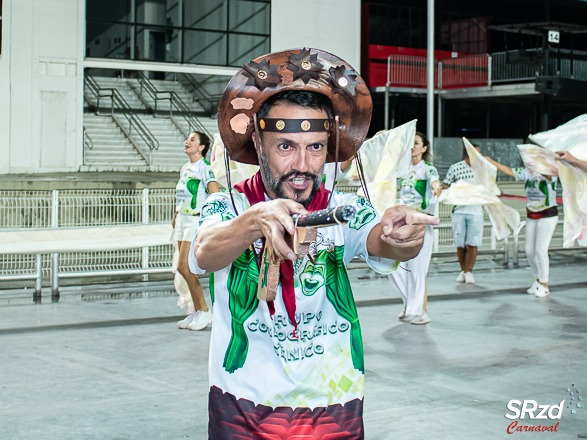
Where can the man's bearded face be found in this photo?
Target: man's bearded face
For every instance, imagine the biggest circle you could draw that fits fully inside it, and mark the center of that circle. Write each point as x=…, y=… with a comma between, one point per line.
x=292, y=163
x=281, y=187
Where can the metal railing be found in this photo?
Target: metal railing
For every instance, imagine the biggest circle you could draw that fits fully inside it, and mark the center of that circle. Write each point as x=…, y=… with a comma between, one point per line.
x=200, y=94
x=88, y=145
x=504, y=70
x=410, y=71
x=525, y=65
x=486, y=69
x=22, y=210
x=119, y=106
x=467, y=71
x=176, y=105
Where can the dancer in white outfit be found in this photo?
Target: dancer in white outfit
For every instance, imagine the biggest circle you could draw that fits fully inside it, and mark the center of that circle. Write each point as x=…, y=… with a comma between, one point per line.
x=542, y=213
x=195, y=182
x=417, y=190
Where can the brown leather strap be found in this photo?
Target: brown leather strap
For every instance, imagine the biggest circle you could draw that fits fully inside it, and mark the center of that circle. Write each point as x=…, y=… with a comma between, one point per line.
x=268, y=275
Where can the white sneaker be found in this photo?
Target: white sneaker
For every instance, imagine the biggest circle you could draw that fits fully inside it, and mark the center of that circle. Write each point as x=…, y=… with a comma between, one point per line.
x=533, y=287
x=461, y=277
x=421, y=319
x=202, y=321
x=541, y=291
x=186, y=321
x=469, y=278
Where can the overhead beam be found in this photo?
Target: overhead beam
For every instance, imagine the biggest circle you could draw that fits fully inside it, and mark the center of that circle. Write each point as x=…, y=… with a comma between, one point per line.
x=151, y=66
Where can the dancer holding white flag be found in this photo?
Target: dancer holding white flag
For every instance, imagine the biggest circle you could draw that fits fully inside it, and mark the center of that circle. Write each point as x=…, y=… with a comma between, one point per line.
x=467, y=220
x=569, y=143
x=483, y=190
x=541, y=210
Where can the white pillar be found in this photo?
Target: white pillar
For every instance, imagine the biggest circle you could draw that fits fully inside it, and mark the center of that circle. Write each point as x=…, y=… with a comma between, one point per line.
x=430, y=79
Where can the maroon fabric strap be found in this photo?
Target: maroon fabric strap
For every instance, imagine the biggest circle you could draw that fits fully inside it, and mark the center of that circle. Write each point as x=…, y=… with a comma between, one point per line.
x=545, y=213
x=254, y=191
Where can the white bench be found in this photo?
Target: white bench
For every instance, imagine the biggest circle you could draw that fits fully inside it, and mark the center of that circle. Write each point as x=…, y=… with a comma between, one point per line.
x=84, y=239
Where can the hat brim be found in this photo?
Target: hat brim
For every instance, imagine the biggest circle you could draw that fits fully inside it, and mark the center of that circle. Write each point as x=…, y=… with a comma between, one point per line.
x=273, y=73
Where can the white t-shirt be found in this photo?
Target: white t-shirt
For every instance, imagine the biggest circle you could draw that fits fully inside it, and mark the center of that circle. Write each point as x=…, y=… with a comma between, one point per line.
x=462, y=171
x=541, y=192
x=415, y=189
x=254, y=359
x=192, y=187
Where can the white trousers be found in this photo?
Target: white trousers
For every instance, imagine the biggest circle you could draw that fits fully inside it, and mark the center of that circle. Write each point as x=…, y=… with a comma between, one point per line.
x=538, y=236
x=410, y=277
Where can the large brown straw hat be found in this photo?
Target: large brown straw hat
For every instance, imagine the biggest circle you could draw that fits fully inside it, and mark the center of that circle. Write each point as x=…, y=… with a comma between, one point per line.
x=296, y=69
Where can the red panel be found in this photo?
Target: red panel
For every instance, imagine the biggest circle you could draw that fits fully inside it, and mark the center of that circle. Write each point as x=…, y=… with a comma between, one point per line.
x=380, y=52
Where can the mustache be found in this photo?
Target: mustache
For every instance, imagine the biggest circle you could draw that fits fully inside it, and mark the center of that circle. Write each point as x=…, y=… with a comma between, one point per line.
x=297, y=174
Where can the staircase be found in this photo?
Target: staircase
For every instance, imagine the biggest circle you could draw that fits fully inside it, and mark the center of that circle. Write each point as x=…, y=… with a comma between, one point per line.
x=170, y=155
x=111, y=150
x=106, y=148
x=162, y=87
x=123, y=85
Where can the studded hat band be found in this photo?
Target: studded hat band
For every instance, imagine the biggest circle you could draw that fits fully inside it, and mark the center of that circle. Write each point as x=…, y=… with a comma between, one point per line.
x=294, y=125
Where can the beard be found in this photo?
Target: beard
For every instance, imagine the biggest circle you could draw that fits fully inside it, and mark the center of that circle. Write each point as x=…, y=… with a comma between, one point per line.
x=276, y=184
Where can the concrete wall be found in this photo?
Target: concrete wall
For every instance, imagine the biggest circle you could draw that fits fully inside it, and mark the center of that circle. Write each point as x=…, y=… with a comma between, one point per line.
x=330, y=25
x=41, y=86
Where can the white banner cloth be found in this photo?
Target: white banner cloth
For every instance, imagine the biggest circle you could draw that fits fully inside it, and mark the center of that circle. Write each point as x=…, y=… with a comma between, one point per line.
x=484, y=192
x=385, y=157
x=571, y=137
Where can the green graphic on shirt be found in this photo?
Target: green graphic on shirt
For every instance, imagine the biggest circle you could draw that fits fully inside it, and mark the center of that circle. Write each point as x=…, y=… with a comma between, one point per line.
x=542, y=186
x=312, y=277
x=242, y=302
x=211, y=286
x=364, y=215
x=192, y=186
x=420, y=187
x=340, y=295
x=216, y=206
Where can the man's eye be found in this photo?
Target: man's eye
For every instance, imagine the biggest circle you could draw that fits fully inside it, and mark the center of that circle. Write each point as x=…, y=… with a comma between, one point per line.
x=284, y=147
x=316, y=147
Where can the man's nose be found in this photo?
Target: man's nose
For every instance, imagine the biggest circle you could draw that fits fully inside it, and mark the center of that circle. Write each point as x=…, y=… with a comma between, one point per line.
x=302, y=163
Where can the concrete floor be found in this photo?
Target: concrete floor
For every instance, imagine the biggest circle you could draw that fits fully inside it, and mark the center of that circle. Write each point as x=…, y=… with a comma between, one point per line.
x=92, y=367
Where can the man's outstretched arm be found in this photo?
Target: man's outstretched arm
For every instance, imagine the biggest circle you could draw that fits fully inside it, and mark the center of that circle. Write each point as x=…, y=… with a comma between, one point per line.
x=400, y=233
x=219, y=245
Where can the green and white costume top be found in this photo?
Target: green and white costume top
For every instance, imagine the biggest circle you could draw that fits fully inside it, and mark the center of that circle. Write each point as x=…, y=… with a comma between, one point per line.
x=255, y=356
x=541, y=192
x=415, y=189
x=192, y=187
x=462, y=171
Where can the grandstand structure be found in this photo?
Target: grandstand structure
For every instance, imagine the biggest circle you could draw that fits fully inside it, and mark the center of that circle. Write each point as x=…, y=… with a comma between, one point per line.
x=114, y=86
x=108, y=85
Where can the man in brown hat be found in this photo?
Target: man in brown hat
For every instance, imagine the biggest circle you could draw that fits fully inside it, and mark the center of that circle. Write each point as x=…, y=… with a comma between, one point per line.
x=286, y=354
